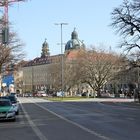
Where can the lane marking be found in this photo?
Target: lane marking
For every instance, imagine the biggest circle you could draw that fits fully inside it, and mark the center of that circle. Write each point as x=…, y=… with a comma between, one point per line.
x=33, y=126
x=74, y=123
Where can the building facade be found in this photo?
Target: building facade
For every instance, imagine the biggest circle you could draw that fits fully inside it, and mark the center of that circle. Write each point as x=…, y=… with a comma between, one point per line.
x=36, y=74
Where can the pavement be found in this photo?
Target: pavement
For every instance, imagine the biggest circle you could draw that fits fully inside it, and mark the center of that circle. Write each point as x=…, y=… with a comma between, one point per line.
x=119, y=100
x=104, y=100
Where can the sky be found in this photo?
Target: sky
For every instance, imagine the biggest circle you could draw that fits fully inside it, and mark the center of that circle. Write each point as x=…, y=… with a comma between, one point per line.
x=34, y=21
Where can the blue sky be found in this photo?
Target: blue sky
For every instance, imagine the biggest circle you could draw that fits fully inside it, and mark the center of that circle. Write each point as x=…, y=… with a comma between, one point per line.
x=34, y=21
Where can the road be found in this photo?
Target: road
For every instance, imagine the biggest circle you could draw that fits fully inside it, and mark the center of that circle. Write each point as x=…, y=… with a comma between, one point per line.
x=43, y=120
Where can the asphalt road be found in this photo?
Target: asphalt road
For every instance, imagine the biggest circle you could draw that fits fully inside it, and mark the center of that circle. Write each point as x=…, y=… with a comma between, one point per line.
x=43, y=120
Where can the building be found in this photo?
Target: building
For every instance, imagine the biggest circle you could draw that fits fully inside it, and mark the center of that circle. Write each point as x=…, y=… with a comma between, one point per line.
x=18, y=76
x=36, y=74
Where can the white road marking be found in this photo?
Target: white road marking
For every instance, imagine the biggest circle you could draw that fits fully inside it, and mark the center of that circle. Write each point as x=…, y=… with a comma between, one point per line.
x=33, y=126
x=74, y=123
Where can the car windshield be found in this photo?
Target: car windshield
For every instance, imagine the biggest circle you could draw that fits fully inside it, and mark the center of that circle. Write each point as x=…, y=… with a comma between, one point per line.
x=12, y=99
x=13, y=94
x=5, y=103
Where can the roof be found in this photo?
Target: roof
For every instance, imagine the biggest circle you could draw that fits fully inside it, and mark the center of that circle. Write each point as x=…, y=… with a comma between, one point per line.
x=71, y=55
x=43, y=60
x=74, y=42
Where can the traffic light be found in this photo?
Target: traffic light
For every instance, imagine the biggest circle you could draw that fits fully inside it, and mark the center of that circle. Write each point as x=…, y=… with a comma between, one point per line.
x=5, y=35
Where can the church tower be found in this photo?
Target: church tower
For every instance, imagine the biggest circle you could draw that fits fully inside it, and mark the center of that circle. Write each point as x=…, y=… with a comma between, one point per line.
x=45, y=49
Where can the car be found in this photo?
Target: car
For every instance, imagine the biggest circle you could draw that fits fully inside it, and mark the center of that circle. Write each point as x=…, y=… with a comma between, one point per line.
x=41, y=93
x=59, y=94
x=7, y=110
x=13, y=94
x=14, y=102
x=105, y=94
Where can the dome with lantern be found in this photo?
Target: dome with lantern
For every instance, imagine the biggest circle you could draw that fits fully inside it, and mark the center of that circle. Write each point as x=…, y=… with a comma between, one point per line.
x=74, y=43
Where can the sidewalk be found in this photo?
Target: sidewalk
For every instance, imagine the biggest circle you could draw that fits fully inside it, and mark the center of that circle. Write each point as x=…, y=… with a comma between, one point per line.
x=104, y=100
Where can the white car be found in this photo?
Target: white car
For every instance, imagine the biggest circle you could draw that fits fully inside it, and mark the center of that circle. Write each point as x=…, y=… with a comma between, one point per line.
x=41, y=94
x=59, y=94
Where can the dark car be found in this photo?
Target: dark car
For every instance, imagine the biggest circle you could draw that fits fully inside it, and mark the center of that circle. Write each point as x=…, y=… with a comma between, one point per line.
x=13, y=94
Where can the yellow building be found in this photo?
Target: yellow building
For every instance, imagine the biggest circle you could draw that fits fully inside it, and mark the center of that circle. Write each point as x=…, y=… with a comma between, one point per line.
x=36, y=75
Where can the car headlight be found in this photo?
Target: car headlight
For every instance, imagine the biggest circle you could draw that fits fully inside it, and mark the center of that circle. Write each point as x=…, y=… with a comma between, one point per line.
x=11, y=111
x=14, y=105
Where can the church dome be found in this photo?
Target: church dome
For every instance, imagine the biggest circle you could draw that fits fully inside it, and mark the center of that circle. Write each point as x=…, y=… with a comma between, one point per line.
x=74, y=35
x=74, y=43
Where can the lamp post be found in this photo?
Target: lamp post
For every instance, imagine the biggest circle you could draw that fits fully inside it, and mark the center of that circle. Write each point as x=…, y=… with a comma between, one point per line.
x=62, y=63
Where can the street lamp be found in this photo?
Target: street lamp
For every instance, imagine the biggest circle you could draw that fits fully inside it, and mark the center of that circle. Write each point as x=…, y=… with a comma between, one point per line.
x=62, y=63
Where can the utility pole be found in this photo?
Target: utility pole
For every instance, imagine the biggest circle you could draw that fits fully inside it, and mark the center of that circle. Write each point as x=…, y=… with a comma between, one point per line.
x=62, y=61
x=5, y=28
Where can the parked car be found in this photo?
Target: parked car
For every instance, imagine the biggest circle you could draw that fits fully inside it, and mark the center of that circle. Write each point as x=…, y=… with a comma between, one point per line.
x=41, y=94
x=105, y=94
x=28, y=94
x=13, y=94
x=59, y=94
x=7, y=110
x=14, y=102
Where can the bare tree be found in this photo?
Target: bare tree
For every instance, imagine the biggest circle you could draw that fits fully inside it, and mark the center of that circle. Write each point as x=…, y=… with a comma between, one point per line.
x=54, y=71
x=72, y=75
x=12, y=52
x=126, y=21
x=97, y=68
x=70, y=69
